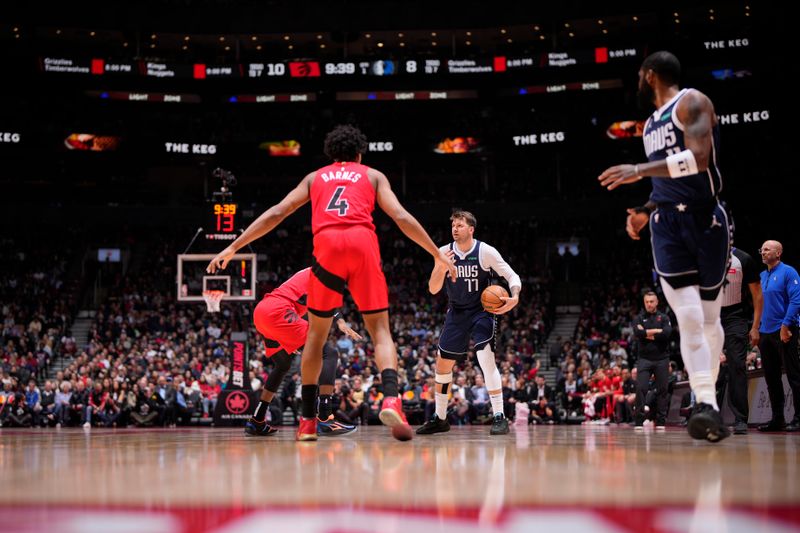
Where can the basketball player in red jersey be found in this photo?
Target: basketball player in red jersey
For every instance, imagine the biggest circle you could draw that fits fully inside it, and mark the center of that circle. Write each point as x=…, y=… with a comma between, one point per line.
x=346, y=252
x=279, y=318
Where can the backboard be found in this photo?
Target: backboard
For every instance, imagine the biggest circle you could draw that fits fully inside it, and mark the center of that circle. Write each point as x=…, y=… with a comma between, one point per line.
x=238, y=281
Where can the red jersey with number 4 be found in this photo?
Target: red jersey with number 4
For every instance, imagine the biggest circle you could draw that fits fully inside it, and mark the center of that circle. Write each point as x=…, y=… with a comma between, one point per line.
x=342, y=195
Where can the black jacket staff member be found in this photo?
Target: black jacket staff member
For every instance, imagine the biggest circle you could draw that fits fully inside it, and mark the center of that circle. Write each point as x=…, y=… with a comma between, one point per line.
x=652, y=330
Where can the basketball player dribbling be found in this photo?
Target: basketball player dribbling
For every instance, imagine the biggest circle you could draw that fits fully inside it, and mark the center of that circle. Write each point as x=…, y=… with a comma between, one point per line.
x=278, y=317
x=466, y=318
x=346, y=252
x=689, y=229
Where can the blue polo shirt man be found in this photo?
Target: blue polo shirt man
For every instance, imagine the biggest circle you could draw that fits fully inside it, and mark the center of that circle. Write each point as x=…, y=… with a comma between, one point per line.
x=780, y=285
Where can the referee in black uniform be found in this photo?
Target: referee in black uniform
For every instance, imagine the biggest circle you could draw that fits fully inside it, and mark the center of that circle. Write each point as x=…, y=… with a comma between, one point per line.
x=742, y=277
x=652, y=329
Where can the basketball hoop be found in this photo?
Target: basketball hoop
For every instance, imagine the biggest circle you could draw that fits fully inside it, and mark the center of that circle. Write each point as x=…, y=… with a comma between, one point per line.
x=213, y=299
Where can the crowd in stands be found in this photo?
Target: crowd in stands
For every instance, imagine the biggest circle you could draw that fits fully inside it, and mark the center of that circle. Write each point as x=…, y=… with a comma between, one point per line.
x=37, y=301
x=150, y=361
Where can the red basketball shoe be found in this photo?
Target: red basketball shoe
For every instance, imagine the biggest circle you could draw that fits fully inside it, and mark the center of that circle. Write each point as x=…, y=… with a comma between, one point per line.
x=307, y=430
x=392, y=415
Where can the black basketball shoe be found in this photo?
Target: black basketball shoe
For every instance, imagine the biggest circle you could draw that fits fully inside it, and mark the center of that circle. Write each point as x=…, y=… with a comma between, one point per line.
x=258, y=429
x=706, y=423
x=434, y=425
x=499, y=425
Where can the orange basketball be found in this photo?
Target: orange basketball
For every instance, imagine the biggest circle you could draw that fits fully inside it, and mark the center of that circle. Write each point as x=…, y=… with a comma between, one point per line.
x=491, y=297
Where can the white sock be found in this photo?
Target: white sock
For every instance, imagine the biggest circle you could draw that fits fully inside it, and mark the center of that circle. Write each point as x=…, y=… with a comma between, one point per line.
x=497, y=403
x=443, y=381
x=441, y=405
x=703, y=385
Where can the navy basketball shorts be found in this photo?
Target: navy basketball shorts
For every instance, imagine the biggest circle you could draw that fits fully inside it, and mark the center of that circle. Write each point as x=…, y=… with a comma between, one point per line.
x=461, y=325
x=691, y=247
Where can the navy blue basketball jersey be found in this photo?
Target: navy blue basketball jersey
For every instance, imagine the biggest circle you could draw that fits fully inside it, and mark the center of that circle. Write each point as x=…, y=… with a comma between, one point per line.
x=465, y=291
x=663, y=136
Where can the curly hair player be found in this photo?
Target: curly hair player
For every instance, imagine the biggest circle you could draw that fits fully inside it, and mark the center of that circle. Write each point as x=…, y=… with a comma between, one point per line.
x=346, y=252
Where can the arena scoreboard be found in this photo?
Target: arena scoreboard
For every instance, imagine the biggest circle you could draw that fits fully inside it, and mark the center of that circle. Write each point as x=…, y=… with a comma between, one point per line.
x=223, y=224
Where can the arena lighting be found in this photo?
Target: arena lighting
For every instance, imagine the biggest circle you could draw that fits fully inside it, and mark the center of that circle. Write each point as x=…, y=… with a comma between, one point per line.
x=272, y=98
x=572, y=247
x=405, y=95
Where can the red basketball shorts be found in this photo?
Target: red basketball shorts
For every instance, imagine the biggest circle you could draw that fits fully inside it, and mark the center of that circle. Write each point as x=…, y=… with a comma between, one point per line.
x=283, y=329
x=347, y=257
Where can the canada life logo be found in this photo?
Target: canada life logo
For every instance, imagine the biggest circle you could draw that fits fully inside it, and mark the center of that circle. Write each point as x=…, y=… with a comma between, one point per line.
x=237, y=402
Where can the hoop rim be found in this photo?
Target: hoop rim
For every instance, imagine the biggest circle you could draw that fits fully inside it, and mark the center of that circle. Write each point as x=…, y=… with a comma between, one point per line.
x=213, y=299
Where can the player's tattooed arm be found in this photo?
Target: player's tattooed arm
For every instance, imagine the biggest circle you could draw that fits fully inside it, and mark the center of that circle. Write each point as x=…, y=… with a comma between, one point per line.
x=696, y=112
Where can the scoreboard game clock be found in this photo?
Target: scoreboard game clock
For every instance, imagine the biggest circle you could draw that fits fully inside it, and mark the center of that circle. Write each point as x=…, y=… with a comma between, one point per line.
x=224, y=217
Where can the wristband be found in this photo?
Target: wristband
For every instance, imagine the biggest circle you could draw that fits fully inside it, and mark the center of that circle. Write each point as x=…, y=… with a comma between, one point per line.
x=682, y=164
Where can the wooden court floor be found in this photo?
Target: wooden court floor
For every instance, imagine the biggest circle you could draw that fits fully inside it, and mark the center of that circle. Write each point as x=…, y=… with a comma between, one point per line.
x=565, y=478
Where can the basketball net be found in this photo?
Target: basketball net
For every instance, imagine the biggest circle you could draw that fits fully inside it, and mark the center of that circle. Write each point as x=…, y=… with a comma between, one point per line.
x=213, y=299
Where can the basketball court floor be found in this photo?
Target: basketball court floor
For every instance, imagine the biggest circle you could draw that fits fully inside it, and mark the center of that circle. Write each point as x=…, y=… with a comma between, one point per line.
x=540, y=478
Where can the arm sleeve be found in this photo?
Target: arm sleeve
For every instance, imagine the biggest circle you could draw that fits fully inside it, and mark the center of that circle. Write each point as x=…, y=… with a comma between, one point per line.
x=793, y=290
x=666, y=329
x=491, y=258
